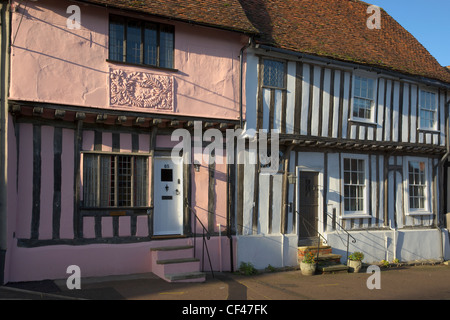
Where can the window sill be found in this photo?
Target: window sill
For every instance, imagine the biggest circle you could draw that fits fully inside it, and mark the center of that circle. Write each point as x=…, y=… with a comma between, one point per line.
x=147, y=66
x=363, y=121
x=419, y=213
x=428, y=130
x=355, y=216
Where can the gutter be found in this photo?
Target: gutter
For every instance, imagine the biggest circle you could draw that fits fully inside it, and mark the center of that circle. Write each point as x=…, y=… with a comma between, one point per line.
x=351, y=65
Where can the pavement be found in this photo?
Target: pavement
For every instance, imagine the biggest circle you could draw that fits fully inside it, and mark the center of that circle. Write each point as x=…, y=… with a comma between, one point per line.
x=425, y=282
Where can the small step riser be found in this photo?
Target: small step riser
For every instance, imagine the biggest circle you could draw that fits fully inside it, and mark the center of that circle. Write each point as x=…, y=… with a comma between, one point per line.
x=202, y=279
x=174, y=254
x=195, y=277
x=181, y=267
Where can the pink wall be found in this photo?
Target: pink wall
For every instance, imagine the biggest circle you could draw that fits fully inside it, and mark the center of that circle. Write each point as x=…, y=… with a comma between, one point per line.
x=51, y=63
x=51, y=262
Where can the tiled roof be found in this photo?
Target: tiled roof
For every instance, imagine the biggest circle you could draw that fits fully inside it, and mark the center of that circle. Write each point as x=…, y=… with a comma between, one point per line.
x=225, y=14
x=335, y=29
x=338, y=29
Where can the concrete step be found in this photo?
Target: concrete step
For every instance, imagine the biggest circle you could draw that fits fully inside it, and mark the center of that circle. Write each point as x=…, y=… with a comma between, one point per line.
x=173, y=252
x=178, y=260
x=170, y=248
x=176, y=264
x=195, y=276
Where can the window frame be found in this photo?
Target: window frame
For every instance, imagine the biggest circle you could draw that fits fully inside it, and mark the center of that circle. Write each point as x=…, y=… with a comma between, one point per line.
x=365, y=212
x=284, y=62
x=427, y=210
x=436, y=110
x=374, y=100
x=134, y=187
x=125, y=20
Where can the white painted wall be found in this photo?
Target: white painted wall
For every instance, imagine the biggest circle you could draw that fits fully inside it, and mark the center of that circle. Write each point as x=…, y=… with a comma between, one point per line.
x=278, y=250
x=406, y=245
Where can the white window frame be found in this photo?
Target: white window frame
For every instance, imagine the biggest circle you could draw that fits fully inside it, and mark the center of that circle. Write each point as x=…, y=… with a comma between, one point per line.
x=427, y=205
x=365, y=212
x=374, y=98
x=421, y=92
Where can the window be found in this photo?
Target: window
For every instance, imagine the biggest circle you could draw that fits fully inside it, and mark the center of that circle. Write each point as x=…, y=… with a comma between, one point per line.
x=141, y=42
x=363, y=98
x=355, y=185
x=274, y=73
x=115, y=180
x=416, y=186
x=428, y=110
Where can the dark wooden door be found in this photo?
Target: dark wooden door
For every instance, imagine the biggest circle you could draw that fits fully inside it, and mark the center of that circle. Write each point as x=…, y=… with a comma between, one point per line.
x=308, y=207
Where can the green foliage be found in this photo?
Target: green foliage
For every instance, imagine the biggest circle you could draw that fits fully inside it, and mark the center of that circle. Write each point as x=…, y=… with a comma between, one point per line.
x=247, y=268
x=271, y=268
x=309, y=257
x=356, y=256
x=385, y=263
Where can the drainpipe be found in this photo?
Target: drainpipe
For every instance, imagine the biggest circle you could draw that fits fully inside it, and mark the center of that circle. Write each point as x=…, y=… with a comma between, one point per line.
x=4, y=81
x=441, y=171
x=241, y=80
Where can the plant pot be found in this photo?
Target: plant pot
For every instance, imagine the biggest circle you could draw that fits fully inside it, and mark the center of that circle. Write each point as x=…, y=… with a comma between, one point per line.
x=354, y=265
x=308, y=269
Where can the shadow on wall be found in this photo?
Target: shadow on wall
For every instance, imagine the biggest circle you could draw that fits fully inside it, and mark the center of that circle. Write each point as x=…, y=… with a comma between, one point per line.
x=406, y=246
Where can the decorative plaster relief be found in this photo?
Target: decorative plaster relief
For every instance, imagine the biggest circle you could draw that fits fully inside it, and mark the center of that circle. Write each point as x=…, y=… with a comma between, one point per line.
x=141, y=90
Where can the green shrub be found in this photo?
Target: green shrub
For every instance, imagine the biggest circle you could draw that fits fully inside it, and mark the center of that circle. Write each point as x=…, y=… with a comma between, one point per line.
x=247, y=268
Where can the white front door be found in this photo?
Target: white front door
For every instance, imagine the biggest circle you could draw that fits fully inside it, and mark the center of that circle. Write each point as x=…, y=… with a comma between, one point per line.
x=168, y=195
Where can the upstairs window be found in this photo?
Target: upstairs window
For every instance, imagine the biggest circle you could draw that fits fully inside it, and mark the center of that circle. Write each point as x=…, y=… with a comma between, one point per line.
x=141, y=42
x=274, y=73
x=363, y=98
x=428, y=110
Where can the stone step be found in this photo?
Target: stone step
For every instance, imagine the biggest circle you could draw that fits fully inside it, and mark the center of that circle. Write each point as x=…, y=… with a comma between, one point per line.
x=332, y=268
x=313, y=248
x=329, y=257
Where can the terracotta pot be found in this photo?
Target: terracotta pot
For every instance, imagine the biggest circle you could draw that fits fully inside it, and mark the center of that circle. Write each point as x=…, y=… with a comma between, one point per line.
x=308, y=269
x=354, y=266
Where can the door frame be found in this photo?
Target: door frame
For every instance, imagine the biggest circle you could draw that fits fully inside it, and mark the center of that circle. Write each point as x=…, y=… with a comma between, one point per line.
x=181, y=206
x=320, y=193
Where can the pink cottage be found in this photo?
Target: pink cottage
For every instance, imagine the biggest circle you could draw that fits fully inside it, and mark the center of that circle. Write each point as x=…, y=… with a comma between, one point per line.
x=96, y=90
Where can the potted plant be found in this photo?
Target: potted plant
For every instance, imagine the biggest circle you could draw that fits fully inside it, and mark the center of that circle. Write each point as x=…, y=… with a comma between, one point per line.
x=355, y=261
x=308, y=264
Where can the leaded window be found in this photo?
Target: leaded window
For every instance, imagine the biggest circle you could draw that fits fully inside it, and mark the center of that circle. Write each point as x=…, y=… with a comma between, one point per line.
x=141, y=42
x=274, y=73
x=115, y=180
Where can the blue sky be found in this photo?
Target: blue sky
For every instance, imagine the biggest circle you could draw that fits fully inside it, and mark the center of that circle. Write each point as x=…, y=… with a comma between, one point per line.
x=427, y=20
